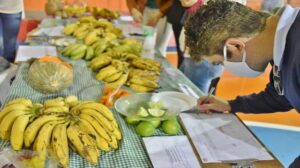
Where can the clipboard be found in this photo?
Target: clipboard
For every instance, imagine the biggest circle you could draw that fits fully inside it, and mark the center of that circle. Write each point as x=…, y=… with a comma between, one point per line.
x=240, y=163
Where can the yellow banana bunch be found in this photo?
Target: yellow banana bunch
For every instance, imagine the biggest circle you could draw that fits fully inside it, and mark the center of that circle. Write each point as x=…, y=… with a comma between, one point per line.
x=58, y=124
x=69, y=29
x=144, y=82
x=121, y=81
x=114, y=77
x=99, y=62
x=140, y=88
x=91, y=37
x=147, y=64
x=106, y=72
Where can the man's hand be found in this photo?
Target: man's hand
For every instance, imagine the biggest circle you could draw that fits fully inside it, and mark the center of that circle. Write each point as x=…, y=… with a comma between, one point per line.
x=153, y=19
x=137, y=15
x=213, y=103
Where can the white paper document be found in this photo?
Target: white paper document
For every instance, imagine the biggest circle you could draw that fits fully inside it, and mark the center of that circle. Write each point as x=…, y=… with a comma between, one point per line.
x=25, y=53
x=222, y=138
x=171, y=152
x=49, y=31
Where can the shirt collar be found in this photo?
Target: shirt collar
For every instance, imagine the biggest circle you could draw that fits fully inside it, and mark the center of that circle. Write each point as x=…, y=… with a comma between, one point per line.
x=285, y=22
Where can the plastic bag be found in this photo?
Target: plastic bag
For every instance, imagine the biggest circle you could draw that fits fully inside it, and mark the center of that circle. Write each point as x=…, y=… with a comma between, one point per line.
x=24, y=159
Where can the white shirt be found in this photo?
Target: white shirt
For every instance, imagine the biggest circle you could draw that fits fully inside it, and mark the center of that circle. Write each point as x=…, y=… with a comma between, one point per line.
x=11, y=6
x=286, y=20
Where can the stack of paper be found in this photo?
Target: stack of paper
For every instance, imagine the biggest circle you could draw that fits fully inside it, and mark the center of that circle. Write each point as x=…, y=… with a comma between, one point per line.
x=222, y=138
x=171, y=152
x=27, y=52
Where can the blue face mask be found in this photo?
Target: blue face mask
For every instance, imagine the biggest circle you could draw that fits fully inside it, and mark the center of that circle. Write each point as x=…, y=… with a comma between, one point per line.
x=239, y=68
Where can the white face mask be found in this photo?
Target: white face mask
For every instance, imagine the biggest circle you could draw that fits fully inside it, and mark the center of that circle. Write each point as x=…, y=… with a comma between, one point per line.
x=239, y=68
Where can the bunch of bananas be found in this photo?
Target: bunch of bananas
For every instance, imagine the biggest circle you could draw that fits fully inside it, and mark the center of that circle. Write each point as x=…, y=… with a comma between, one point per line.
x=115, y=74
x=84, y=25
x=77, y=51
x=59, y=123
x=74, y=10
x=143, y=76
x=143, y=80
x=105, y=13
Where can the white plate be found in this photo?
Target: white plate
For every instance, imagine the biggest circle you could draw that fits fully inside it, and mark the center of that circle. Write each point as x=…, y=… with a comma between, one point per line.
x=176, y=101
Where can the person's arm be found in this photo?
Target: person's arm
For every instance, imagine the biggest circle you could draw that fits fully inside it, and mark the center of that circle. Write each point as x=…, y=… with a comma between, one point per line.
x=164, y=6
x=131, y=4
x=267, y=101
x=134, y=10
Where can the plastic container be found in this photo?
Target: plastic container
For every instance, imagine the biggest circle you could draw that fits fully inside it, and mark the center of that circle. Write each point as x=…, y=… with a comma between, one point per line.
x=149, y=42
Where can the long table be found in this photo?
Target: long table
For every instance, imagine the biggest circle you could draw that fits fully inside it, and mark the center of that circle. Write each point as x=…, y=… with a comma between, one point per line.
x=131, y=153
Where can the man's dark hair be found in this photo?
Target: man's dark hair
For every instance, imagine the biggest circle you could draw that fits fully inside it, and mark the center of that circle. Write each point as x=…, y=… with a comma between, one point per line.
x=211, y=25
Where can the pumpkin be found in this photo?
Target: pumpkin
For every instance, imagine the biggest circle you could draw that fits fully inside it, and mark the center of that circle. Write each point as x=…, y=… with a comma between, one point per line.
x=50, y=74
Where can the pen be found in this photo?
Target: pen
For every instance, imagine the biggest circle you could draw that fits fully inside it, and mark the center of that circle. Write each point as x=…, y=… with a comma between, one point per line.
x=209, y=95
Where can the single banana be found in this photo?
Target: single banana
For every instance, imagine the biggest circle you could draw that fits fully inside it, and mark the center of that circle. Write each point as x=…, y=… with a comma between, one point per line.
x=53, y=103
x=42, y=141
x=105, y=72
x=17, y=132
x=113, y=77
x=59, y=144
x=86, y=126
x=7, y=123
x=24, y=101
x=117, y=133
x=113, y=143
x=56, y=109
x=105, y=111
x=101, y=119
x=13, y=107
x=140, y=88
x=33, y=128
x=82, y=144
x=89, y=53
x=97, y=126
x=121, y=81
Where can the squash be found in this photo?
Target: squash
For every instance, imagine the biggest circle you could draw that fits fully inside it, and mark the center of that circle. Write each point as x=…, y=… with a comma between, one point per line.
x=50, y=74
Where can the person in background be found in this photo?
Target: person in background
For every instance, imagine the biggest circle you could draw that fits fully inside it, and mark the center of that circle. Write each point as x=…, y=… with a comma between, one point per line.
x=151, y=13
x=10, y=19
x=203, y=74
x=246, y=41
x=270, y=5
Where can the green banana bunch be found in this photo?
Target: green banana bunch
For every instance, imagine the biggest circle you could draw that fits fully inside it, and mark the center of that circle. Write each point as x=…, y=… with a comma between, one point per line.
x=67, y=50
x=78, y=53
